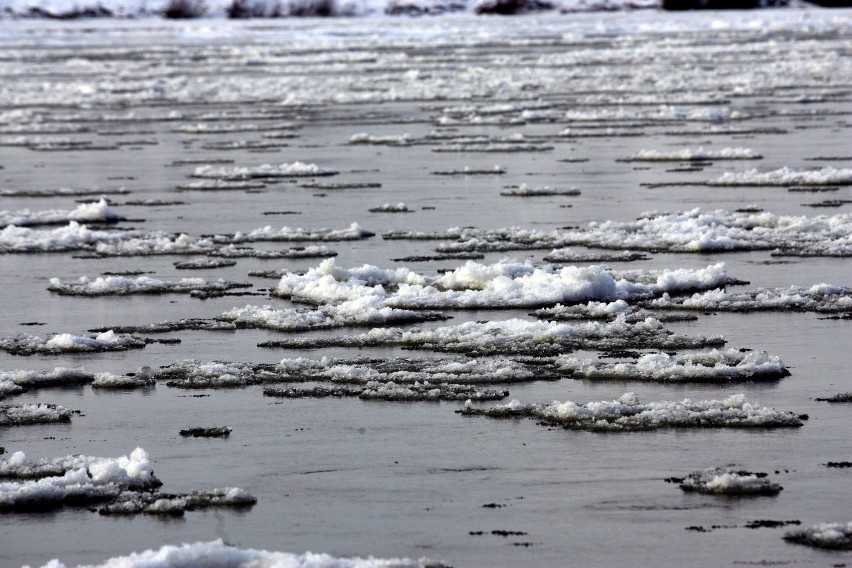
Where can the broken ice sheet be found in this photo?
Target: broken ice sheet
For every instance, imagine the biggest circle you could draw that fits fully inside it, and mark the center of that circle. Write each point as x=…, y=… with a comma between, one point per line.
x=24, y=414
x=628, y=414
x=264, y=171
x=97, y=212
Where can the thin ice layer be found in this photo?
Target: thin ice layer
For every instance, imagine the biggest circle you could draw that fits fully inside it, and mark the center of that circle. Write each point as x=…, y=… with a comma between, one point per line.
x=217, y=554
x=628, y=414
x=514, y=336
x=824, y=298
x=705, y=367
x=123, y=286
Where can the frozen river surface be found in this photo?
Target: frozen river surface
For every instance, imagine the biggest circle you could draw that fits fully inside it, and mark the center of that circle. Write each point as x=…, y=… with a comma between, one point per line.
x=484, y=169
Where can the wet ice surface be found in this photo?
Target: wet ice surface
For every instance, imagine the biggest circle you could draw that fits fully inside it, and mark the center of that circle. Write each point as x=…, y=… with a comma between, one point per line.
x=638, y=270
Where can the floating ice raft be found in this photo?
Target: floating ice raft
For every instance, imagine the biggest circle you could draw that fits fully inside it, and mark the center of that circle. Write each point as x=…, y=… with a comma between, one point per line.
x=823, y=298
x=729, y=481
x=834, y=536
x=628, y=414
x=514, y=337
x=685, y=232
x=502, y=285
x=698, y=155
x=264, y=171
x=352, y=233
x=786, y=177
x=98, y=212
x=607, y=311
x=133, y=471
x=123, y=286
x=391, y=391
x=67, y=343
x=367, y=311
x=707, y=367
x=24, y=414
x=217, y=554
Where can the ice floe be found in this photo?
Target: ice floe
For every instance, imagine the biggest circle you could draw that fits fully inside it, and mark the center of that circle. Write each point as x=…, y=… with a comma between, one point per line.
x=352, y=233
x=377, y=390
x=123, y=286
x=628, y=414
x=60, y=376
x=157, y=503
x=502, y=285
x=204, y=263
x=825, y=298
x=388, y=140
x=697, y=155
x=133, y=471
x=706, y=367
x=686, y=232
x=366, y=311
x=834, y=536
x=208, y=432
x=217, y=554
x=98, y=212
x=23, y=414
x=607, y=311
x=26, y=344
x=192, y=374
x=524, y=190
x=141, y=379
x=729, y=481
x=514, y=336
x=391, y=208
x=264, y=171
x=785, y=177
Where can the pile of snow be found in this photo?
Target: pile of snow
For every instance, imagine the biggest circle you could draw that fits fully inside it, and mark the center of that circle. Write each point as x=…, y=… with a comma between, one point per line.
x=67, y=343
x=834, y=536
x=628, y=414
x=824, y=298
x=712, y=366
x=98, y=212
x=729, y=481
x=502, y=285
x=123, y=286
x=785, y=177
x=514, y=336
x=690, y=155
x=217, y=554
x=24, y=414
x=366, y=311
x=264, y=171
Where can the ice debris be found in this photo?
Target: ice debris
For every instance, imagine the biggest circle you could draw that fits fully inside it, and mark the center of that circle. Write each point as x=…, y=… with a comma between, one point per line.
x=524, y=190
x=209, y=432
x=834, y=536
x=703, y=367
x=352, y=233
x=786, y=177
x=698, y=155
x=729, y=481
x=628, y=414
